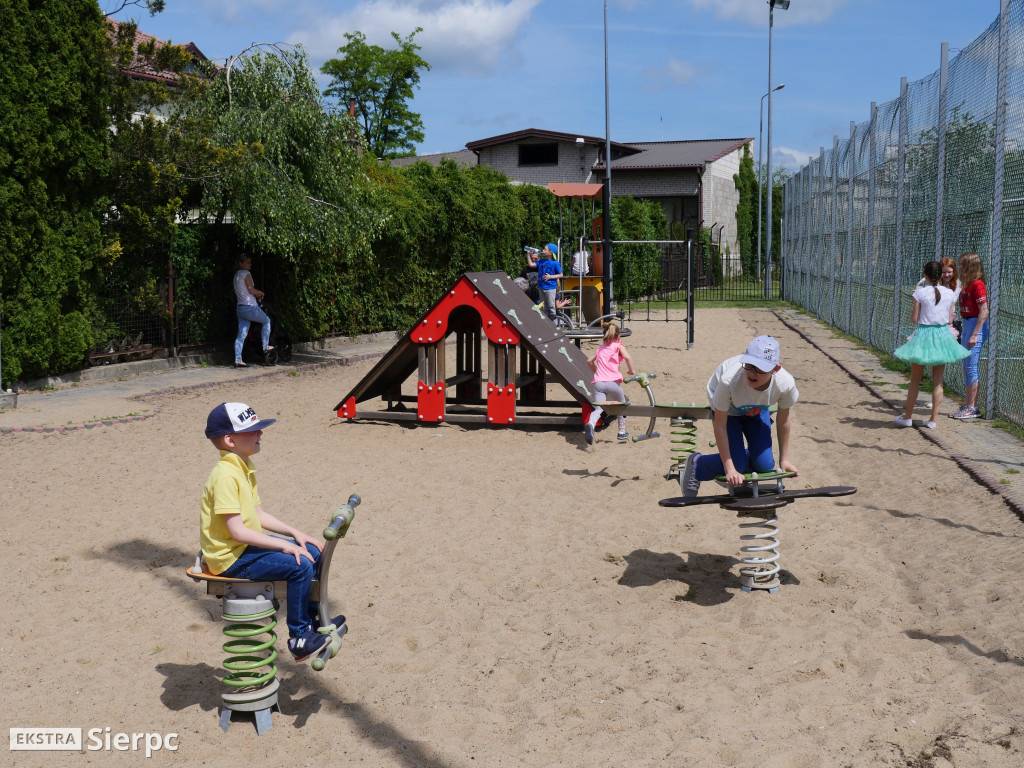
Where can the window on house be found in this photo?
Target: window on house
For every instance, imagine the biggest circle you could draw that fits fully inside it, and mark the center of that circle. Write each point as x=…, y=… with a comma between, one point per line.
x=538, y=154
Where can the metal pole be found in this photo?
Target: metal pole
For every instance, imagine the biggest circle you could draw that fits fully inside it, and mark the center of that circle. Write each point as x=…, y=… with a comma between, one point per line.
x=995, y=258
x=872, y=237
x=848, y=260
x=802, y=250
x=690, y=272
x=760, y=170
x=821, y=226
x=606, y=195
x=833, y=214
x=900, y=184
x=940, y=151
x=771, y=22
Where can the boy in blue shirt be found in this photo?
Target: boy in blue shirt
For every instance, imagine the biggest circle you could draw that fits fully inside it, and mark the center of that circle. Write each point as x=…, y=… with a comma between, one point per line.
x=741, y=391
x=549, y=272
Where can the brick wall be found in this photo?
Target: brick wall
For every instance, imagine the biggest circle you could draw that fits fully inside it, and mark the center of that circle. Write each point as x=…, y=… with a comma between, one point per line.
x=570, y=168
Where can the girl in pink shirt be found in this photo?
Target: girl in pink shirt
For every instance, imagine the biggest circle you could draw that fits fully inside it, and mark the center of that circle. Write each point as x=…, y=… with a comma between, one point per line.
x=607, y=379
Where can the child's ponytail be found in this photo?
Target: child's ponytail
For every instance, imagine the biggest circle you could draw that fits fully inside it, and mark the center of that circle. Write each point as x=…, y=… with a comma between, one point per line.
x=933, y=274
x=611, y=331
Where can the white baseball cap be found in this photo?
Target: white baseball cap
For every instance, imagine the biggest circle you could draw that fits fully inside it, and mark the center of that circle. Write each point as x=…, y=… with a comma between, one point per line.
x=233, y=418
x=763, y=353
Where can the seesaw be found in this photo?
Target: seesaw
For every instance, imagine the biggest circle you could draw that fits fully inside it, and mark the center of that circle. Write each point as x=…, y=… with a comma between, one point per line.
x=677, y=412
x=760, y=567
x=749, y=501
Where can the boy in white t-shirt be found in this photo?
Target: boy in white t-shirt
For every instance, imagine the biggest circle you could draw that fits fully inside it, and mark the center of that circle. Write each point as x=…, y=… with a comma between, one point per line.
x=741, y=390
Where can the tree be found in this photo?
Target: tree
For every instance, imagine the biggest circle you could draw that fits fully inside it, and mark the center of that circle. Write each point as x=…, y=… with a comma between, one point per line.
x=144, y=180
x=288, y=172
x=746, y=212
x=381, y=83
x=54, y=130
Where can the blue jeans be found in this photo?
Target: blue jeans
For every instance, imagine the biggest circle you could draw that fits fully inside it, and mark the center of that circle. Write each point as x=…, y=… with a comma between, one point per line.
x=262, y=564
x=971, y=361
x=758, y=433
x=548, y=295
x=249, y=314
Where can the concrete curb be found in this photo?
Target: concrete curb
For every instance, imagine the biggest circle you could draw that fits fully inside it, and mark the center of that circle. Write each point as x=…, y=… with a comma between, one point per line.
x=340, y=361
x=1013, y=499
x=76, y=427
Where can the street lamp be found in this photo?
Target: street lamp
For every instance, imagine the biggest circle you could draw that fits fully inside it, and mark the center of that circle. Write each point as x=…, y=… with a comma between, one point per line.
x=782, y=5
x=760, y=171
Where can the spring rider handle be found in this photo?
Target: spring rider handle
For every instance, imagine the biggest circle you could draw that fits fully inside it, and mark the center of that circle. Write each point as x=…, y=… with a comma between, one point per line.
x=336, y=530
x=644, y=379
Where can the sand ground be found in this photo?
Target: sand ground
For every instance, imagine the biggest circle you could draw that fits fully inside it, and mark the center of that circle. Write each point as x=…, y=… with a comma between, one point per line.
x=516, y=598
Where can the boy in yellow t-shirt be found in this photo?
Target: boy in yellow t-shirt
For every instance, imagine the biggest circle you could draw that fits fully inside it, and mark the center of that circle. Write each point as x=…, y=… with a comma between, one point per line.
x=232, y=524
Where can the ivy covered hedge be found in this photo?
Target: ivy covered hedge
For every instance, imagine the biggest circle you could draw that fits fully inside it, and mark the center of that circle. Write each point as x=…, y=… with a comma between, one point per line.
x=52, y=140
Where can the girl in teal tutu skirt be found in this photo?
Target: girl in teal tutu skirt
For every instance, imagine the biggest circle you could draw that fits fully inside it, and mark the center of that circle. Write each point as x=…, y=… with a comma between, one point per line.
x=932, y=344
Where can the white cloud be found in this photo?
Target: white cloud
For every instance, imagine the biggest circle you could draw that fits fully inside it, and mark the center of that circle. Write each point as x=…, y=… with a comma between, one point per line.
x=468, y=36
x=674, y=73
x=755, y=12
x=794, y=159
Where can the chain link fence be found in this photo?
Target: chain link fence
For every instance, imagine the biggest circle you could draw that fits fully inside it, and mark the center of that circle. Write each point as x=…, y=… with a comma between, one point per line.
x=936, y=172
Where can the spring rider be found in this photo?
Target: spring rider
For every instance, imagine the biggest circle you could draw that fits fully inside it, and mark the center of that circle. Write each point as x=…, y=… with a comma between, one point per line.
x=250, y=608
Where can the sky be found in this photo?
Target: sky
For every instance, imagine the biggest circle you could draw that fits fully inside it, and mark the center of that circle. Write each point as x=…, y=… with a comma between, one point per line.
x=678, y=69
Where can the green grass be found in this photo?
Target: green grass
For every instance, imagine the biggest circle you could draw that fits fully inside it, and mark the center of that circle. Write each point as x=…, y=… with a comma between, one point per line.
x=1008, y=426
x=700, y=303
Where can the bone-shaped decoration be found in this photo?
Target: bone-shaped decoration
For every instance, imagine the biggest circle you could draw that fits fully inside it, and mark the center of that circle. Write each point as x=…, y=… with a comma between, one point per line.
x=538, y=310
x=512, y=313
x=582, y=385
x=565, y=352
x=497, y=282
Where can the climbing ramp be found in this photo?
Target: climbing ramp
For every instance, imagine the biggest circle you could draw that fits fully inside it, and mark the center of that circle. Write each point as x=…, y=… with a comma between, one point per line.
x=481, y=313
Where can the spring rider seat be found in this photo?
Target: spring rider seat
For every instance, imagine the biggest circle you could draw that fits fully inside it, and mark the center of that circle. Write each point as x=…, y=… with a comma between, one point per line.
x=250, y=608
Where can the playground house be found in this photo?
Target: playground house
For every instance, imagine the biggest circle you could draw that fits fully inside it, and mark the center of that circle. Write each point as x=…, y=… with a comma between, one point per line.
x=693, y=180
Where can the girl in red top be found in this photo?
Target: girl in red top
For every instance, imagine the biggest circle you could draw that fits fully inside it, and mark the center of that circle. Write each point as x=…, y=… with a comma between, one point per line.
x=974, y=311
x=607, y=378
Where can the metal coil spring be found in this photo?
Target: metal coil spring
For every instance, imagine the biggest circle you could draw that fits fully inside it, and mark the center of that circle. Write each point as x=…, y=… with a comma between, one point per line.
x=683, y=441
x=760, y=571
x=248, y=654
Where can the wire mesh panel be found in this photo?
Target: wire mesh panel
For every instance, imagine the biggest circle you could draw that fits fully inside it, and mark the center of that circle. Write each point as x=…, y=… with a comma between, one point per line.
x=917, y=181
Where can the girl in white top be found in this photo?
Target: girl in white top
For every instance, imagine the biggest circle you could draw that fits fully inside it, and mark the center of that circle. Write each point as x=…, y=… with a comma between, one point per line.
x=932, y=344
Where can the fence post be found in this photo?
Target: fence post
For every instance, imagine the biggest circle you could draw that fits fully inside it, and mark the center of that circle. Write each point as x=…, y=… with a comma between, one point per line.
x=995, y=259
x=832, y=237
x=852, y=176
x=804, y=275
x=805, y=282
x=690, y=273
x=872, y=235
x=940, y=152
x=900, y=182
x=821, y=226
x=783, y=251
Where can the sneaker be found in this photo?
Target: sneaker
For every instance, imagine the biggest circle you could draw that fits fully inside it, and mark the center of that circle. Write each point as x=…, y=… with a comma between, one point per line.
x=622, y=437
x=972, y=413
x=337, y=621
x=961, y=412
x=307, y=644
x=929, y=424
x=588, y=433
x=688, y=481
x=901, y=422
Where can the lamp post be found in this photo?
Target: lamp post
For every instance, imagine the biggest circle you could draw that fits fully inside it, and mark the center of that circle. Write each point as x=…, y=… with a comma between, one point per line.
x=782, y=5
x=760, y=170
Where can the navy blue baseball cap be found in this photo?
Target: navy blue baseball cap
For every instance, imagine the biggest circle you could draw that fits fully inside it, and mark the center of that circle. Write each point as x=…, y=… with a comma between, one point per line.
x=232, y=418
